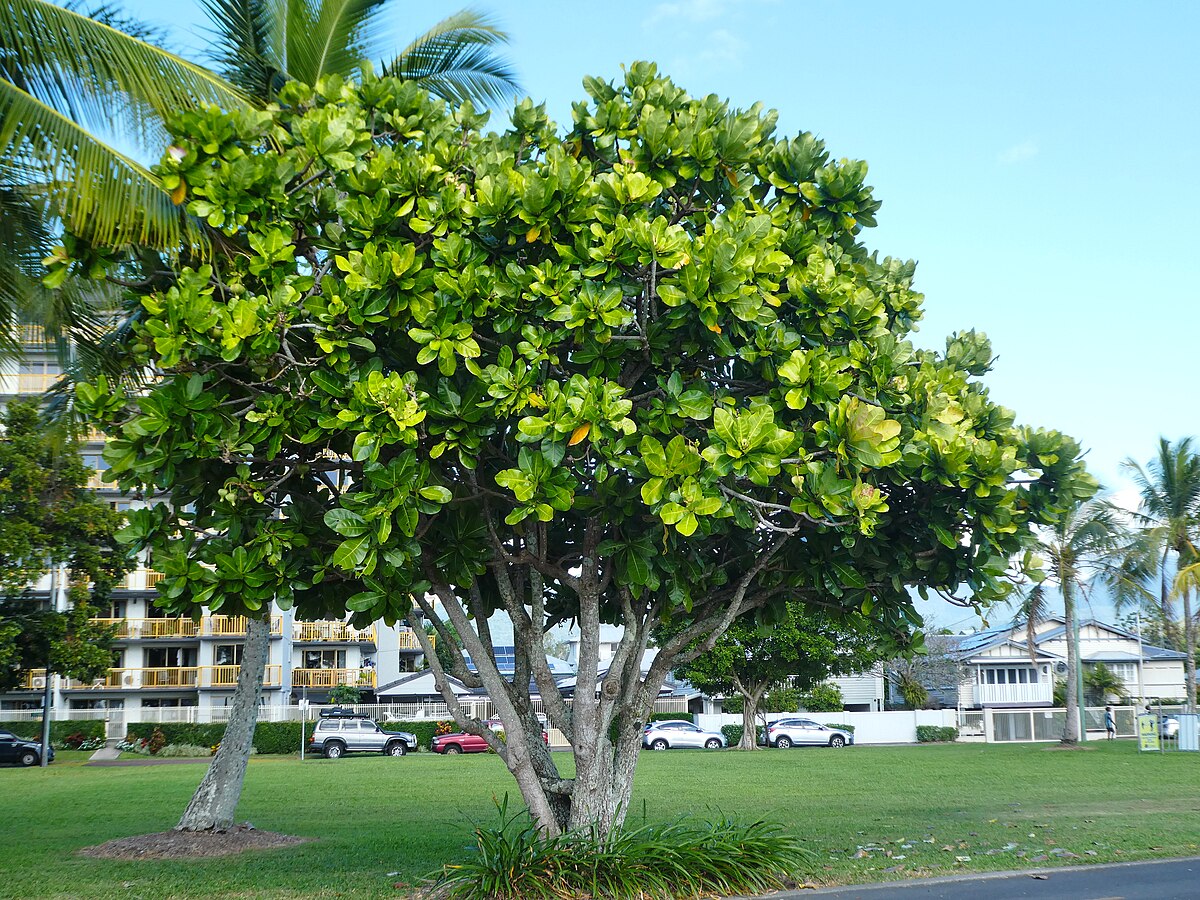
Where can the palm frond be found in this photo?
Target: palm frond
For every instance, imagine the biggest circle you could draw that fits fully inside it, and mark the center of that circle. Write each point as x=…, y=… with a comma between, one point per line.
x=338, y=41
x=64, y=55
x=456, y=60
x=98, y=192
x=241, y=46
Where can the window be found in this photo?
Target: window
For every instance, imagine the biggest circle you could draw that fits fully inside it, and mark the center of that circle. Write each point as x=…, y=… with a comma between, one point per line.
x=324, y=659
x=170, y=657
x=1127, y=672
x=228, y=654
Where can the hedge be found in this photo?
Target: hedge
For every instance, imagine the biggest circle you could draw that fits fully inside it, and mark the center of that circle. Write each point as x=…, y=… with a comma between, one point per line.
x=269, y=737
x=936, y=734
x=89, y=728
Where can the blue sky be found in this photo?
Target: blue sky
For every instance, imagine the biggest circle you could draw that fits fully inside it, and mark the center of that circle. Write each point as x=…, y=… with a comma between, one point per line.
x=1040, y=161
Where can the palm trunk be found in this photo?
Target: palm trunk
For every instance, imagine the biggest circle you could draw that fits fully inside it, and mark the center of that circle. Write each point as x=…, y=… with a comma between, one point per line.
x=214, y=804
x=1189, y=639
x=1071, y=726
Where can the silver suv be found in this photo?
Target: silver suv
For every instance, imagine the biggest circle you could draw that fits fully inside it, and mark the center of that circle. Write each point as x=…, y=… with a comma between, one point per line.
x=784, y=733
x=337, y=735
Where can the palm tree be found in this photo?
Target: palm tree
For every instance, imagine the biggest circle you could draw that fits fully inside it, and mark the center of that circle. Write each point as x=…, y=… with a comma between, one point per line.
x=1169, y=522
x=1079, y=548
x=68, y=80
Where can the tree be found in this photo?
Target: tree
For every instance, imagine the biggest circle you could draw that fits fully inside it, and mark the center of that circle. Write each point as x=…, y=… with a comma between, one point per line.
x=66, y=80
x=753, y=657
x=49, y=520
x=639, y=370
x=1084, y=544
x=1101, y=683
x=345, y=694
x=934, y=665
x=1169, y=524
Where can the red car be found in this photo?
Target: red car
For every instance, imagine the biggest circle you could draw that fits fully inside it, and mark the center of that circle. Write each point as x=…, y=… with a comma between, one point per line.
x=461, y=742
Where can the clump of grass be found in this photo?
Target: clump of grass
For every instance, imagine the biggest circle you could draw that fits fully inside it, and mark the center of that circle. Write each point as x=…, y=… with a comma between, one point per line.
x=672, y=860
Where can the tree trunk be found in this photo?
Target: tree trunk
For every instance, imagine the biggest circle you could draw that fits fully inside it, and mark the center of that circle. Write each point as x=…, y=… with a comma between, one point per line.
x=1189, y=640
x=213, y=805
x=603, y=784
x=1071, y=726
x=749, y=726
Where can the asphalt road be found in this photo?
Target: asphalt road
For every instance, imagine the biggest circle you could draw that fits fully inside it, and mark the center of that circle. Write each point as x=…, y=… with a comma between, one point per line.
x=1172, y=879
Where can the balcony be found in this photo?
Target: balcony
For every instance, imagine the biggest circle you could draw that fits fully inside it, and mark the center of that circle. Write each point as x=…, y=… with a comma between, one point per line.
x=37, y=382
x=33, y=680
x=234, y=626
x=338, y=632
x=331, y=678
x=96, y=482
x=31, y=335
x=1016, y=694
x=227, y=676
x=138, y=629
x=182, y=677
x=408, y=640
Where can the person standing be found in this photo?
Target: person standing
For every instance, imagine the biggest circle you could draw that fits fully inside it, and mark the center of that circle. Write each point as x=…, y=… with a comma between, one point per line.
x=1110, y=723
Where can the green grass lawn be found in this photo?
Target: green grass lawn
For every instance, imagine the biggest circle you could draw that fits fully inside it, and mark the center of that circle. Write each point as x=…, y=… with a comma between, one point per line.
x=935, y=809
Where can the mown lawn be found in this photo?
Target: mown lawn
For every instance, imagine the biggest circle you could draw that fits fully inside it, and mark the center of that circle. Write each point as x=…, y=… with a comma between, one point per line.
x=382, y=821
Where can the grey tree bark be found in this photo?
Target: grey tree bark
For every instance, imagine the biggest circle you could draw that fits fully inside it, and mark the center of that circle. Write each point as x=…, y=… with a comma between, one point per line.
x=214, y=804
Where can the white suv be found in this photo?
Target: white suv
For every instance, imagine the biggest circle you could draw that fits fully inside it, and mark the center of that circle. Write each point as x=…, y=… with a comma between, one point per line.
x=339, y=734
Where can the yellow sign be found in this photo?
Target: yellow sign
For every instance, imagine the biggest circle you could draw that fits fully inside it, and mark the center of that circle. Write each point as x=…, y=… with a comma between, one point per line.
x=1147, y=732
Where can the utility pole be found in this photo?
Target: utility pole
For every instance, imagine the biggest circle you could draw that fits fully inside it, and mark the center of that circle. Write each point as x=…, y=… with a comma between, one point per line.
x=47, y=690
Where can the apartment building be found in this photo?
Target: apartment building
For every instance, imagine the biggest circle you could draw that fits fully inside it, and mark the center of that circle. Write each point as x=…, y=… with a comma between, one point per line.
x=165, y=662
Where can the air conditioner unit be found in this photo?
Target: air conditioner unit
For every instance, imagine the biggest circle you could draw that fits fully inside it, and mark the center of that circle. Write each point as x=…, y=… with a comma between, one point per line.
x=1060, y=668
x=39, y=683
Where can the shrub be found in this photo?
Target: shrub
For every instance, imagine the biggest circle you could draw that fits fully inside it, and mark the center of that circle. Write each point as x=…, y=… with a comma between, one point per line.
x=679, y=859
x=936, y=734
x=839, y=725
x=158, y=740
x=133, y=745
x=59, y=731
x=345, y=695
x=183, y=751
x=733, y=734
x=823, y=698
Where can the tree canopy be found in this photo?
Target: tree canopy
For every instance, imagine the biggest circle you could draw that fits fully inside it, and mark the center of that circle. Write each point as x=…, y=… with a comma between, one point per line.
x=49, y=519
x=634, y=369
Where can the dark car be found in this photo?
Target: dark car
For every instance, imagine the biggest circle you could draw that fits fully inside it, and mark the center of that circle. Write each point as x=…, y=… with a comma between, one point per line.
x=21, y=751
x=339, y=732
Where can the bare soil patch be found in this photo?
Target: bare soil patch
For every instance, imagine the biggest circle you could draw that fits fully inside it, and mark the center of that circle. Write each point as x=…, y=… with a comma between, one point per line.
x=1069, y=747
x=192, y=844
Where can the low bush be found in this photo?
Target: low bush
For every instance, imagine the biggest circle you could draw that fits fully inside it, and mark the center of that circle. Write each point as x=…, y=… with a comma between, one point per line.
x=184, y=751
x=679, y=859
x=841, y=727
x=733, y=734
x=269, y=737
x=92, y=729
x=936, y=734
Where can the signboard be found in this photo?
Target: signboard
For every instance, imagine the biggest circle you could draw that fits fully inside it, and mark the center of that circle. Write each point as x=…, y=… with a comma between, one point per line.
x=1148, y=732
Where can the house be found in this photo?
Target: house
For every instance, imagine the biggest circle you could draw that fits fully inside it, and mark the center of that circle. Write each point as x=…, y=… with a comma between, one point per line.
x=1001, y=671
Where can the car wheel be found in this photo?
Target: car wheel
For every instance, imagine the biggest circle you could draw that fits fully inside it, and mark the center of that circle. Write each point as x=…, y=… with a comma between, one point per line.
x=659, y=744
x=28, y=758
x=454, y=748
x=783, y=743
x=712, y=744
x=837, y=741
x=397, y=749
x=334, y=750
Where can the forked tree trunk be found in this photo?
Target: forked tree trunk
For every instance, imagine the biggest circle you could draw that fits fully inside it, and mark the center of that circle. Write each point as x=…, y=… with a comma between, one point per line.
x=214, y=804
x=750, y=700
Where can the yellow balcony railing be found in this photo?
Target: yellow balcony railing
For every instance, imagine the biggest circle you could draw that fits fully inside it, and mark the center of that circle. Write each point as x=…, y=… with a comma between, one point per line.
x=136, y=629
x=142, y=579
x=233, y=626
x=330, y=678
x=36, y=382
x=97, y=483
x=311, y=632
x=31, y=335
x=227, y=676
x=408, y=640
x=186, y=677
x=153, y=578
x=33, y=680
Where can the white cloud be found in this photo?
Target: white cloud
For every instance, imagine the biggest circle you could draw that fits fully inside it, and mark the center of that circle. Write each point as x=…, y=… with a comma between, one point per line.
x=1019, y=153
x=685, y=11
x=722, y=46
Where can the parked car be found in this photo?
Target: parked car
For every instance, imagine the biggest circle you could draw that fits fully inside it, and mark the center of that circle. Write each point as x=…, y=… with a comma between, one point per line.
x=1168, y=727
x=784, y=733
x=21, y=751
x=678, y=733
x=463, y=742
x=338, y=733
